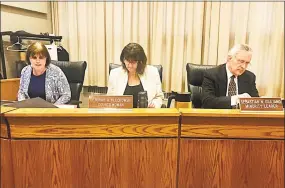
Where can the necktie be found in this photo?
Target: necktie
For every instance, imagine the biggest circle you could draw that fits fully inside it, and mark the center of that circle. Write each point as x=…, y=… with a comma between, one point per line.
x=232, y=87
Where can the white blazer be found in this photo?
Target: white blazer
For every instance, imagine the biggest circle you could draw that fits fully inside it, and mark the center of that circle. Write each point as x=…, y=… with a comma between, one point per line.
x=150, y=80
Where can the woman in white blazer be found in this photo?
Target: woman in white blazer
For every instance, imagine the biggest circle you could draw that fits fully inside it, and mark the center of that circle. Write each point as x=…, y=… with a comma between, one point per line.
x=134, y=76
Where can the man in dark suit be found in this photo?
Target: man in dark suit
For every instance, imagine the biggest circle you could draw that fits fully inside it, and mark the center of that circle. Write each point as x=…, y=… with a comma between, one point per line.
x=225, y=84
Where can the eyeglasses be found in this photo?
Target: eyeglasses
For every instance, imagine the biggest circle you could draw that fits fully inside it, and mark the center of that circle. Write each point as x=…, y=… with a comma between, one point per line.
x=131, y=61
x=242, y=62
x=36, y=57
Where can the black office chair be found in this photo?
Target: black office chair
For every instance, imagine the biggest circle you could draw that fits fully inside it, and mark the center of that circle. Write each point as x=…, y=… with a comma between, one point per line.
x=74, y=72
x=159, y=68
x=19, y=66
x=195, y=76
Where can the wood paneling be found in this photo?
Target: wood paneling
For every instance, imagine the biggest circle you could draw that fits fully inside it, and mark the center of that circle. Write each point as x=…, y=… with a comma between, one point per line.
x=4, y=131
x=199, y=112
x=7, y=177
x=139, y=148
x=85, y=112
x=3, y=125
x=231, y=163
x=142, y=163
x=9, y=89
x=232, y=127
x=93, y=127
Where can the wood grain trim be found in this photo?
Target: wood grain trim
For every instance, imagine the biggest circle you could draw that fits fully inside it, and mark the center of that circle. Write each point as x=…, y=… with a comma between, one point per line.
x=85, y=112
x=99, y=127
x=195, y=112
x=4, y=131
x=7, y=173
x=94, y=163
x=213, y=127
x=224, y=163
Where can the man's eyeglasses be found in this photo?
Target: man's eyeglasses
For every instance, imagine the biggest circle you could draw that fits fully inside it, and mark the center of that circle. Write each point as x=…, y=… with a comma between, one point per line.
x=242, y=62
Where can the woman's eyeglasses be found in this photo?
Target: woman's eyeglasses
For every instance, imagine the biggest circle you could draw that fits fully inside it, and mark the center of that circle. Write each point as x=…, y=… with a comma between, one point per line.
x=131, y=61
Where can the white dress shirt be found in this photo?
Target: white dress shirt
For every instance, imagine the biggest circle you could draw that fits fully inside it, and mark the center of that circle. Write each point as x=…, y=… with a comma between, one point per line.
x=233, y=98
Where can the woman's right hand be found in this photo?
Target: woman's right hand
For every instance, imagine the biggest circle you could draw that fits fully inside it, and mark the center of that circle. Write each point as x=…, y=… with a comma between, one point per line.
x=151, y=105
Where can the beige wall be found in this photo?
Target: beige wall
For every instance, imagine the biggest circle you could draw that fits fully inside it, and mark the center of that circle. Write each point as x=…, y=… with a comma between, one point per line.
x=32, y=17
x=40, y=7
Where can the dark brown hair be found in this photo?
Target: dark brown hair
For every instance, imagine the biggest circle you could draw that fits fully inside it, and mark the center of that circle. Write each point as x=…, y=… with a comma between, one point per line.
x=134, y=52
x=37, y=48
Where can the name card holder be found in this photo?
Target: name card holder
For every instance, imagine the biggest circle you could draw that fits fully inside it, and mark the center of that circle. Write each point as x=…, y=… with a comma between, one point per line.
x=261, y=104
x=111, y=102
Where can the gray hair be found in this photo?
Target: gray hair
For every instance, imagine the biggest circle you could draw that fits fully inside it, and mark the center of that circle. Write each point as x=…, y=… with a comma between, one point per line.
x=238, y=47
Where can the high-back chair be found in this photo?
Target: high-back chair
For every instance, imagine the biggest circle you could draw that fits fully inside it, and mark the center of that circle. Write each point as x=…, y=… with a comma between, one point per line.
x=195, y=76
x=74, y=72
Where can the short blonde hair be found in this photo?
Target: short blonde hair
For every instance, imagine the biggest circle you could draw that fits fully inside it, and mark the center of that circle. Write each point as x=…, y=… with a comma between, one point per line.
x=238, y=47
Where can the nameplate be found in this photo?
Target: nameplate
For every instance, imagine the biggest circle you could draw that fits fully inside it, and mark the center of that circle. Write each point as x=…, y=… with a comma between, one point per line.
x=104, y=101
x=261, y=104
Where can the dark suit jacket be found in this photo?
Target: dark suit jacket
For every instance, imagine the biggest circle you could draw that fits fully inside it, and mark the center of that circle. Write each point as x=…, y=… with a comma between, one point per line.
x=214, y=87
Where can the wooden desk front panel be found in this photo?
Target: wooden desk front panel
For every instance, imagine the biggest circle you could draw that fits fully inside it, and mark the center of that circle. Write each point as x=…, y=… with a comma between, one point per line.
x=232, y=127
x=7, y=177
x=125, y=163
x=231, y=163
x=82, y=123
x=213, y=123
x=226, y=148
x=93, y=127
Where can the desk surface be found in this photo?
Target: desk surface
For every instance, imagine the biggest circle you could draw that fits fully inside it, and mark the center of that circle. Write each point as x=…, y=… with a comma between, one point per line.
x=5, y=109
x=148, y=112
x=85, y=112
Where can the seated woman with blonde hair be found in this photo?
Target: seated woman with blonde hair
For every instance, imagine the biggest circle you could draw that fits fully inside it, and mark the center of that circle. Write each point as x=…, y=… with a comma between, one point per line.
x=135, y=76
x=43, y=79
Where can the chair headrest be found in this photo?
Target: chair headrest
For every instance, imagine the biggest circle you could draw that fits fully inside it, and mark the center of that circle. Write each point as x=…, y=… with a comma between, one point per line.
x=113, y=66
x=195, y=73
x=160, y=69
x=19, y=66
x=74, y=71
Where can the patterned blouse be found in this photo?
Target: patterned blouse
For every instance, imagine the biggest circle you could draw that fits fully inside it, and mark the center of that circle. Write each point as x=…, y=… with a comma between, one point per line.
x=56, y=85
